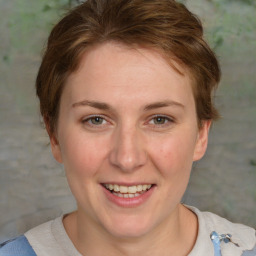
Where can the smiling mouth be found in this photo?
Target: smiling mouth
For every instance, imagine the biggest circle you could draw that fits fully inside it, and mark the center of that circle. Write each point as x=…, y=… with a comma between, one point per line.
x=127, y=191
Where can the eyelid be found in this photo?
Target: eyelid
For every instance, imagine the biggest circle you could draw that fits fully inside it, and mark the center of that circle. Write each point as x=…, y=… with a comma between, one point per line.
x=92, y=116
x=163, y=116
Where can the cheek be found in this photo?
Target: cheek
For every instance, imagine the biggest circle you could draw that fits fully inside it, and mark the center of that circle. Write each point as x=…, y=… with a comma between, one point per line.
x=174, y=155
x=173, y=161
x=82, y=155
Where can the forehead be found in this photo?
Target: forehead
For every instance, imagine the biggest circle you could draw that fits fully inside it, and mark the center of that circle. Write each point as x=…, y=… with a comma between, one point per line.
x=115, y=70
x=98, y=55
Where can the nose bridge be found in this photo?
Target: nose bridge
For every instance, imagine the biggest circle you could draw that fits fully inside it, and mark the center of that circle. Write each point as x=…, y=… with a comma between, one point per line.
x=128, y=151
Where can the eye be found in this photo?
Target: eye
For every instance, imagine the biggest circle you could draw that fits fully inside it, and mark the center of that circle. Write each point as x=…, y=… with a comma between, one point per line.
x=94, y=121
x=97, y=120
x=160, y=121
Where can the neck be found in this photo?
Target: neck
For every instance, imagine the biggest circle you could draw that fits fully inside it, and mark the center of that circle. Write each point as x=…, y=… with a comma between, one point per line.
x=176, y=235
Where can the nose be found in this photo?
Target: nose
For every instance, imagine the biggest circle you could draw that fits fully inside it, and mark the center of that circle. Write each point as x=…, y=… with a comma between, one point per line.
x=128, y=152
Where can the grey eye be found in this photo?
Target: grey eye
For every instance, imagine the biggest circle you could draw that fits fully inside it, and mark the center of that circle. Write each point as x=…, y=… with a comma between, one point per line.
x=97, y=120
x=160, y=120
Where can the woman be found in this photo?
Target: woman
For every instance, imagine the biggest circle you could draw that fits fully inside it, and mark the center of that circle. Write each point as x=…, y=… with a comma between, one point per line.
x=125, y=90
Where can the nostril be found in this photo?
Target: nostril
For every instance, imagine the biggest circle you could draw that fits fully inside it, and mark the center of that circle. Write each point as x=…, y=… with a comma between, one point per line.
x=128, y=152
x=127, y=161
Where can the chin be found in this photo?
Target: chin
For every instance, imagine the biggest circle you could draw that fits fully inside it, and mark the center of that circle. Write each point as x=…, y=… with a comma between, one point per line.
x=129, y=227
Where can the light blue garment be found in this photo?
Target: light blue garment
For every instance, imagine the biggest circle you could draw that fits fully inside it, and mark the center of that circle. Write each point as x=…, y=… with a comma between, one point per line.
x=216, y=243
x=17, y=247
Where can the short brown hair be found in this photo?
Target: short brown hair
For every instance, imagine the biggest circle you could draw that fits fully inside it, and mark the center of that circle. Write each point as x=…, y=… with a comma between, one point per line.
x=165, y=25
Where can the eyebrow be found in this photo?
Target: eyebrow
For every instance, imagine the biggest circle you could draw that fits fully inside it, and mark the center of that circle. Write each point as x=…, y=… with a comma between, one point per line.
x=163, y=104
x=94, y=104
x=105, y=106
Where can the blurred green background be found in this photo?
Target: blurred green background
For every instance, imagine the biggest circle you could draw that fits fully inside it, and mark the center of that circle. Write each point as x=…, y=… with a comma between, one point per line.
x=33, y=188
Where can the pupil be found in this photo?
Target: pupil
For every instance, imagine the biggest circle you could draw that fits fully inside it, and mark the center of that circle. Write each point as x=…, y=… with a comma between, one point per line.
x=159, y=120
x=97, y=120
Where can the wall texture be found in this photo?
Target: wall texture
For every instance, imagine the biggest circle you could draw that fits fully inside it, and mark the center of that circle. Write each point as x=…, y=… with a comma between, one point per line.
x=33, y=188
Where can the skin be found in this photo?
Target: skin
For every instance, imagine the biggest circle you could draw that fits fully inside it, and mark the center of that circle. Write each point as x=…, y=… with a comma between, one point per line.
x=127, y=143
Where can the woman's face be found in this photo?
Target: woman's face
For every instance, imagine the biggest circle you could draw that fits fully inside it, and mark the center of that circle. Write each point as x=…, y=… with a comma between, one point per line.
x=127, y=135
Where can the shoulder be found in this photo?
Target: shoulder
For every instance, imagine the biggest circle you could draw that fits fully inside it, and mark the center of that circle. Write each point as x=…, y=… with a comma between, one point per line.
x=51, y=239
x=18, y=247
x=233, y=238
x=241, y=234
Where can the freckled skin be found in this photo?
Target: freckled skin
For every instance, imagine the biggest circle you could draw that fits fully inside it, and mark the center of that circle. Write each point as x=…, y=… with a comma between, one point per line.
x=129, y=146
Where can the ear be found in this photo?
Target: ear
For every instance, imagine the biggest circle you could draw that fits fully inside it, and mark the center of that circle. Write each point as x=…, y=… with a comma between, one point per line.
x=55, y=146
x=202, y=140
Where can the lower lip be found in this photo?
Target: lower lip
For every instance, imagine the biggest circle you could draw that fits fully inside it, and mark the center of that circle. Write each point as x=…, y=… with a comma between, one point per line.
x=129, y=202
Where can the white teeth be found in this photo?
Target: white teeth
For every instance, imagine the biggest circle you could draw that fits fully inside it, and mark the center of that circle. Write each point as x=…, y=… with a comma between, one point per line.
x=131, y=195
x=144, y=187
x=123, y=189
x=116, y=188
x=139, y=188
x=126, y=195
x=131, y=190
